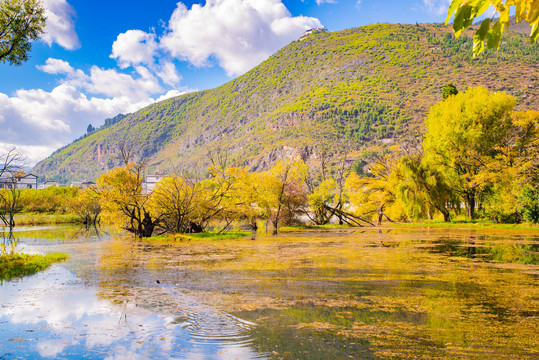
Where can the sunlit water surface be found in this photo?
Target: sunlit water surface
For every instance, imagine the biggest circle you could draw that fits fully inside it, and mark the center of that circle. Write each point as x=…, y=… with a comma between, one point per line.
x=335, y=294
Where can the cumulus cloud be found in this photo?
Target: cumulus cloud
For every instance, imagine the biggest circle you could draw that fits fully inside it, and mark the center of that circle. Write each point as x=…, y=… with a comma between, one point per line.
x=60, y=27
x=168, y=74
x=134, y=47
x=239, y=34
x=56, y=66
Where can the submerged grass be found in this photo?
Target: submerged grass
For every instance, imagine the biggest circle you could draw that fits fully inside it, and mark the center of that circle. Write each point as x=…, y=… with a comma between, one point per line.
x=18, y=265
x=207, y=235
x=466, y=224
x=313, y=227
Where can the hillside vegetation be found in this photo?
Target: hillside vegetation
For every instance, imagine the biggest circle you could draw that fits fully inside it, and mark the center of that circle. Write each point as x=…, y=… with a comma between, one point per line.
x=369, y=85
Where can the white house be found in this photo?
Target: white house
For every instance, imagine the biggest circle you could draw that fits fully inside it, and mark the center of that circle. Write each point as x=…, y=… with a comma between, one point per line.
x=82, y=184
x=47, y=184
x=28, y=181
x=151, y=180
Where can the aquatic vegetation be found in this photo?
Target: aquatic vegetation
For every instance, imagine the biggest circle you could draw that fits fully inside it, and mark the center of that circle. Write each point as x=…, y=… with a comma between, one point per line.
x=392, y=293
x=16, y=265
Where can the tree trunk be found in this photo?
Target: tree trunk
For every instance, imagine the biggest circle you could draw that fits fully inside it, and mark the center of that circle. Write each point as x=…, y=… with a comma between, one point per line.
x=380, y=213
x=147, y=225
x=447, y=218
x=470, y=197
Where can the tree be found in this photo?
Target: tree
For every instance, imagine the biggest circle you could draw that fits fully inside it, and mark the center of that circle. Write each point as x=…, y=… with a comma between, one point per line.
x=465, y=133
x=449, y=90
x=375, y=194
x=10, y=162
x=529, y=198
x=467, y=10
x=10, y=165
x=21, y=21
x=87, y=205
x=177, y=199
x=90, y=129
x=124, y=202
x=186, y=204
x=9, y=201
x=422, y=189
x=279, y=190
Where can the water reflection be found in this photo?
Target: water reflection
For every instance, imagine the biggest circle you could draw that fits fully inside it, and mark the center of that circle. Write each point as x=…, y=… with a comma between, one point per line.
x=58, y=314
x=53, y=314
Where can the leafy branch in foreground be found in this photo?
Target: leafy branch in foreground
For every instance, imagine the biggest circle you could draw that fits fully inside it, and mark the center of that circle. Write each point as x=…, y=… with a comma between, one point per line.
x=21, y=21
x=491, y=31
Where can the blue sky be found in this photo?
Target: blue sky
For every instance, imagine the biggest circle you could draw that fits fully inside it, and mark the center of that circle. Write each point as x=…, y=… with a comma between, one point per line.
x=100, y=58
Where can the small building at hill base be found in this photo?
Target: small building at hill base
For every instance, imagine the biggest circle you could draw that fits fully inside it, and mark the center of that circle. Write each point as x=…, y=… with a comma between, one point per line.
x=82, y=184
x=28, y=181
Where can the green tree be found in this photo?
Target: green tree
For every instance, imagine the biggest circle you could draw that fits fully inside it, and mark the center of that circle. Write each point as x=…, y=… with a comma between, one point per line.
x=529, y=197
x=21, y=21
x=467, y=10
x=449, y=90
x=465, y=133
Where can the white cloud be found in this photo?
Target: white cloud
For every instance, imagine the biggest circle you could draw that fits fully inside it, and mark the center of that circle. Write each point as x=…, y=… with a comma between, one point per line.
x=60, y=24
x=320, y=2
x=39, y=122
x=112, y=83
x=56, y=66
x=134, y=47
x=239, y=34
x=170, y=94
x=436, y=7
x=169, y=74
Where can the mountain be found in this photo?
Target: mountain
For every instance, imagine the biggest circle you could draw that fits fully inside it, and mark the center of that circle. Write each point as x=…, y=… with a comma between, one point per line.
x=363, y=86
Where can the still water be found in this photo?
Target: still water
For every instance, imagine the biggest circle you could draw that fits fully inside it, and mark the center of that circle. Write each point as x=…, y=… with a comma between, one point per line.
x=335, y=294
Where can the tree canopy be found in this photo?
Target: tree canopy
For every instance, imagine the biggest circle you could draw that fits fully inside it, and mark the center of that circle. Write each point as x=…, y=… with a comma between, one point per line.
x=491, y=31
x=464, y=132
x=21, y=21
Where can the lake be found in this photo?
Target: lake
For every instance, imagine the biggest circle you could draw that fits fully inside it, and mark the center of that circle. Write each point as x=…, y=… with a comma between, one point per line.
x=348, y=293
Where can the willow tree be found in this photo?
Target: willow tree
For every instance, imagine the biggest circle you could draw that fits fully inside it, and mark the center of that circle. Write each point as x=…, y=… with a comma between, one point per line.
x=376, y=194
x=465, y=133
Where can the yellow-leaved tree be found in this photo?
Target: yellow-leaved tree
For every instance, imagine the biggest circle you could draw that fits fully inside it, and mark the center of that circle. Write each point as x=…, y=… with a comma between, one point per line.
x=465, y=135
x=123, y=201
x=375, y=194
x=87, y=205
x=281, y=191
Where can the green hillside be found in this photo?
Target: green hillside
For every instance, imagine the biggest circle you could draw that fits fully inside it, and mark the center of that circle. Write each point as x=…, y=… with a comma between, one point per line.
x=362, y=85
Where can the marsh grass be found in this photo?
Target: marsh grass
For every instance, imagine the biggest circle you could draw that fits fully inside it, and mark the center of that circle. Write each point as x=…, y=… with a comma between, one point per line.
x=466, y=224
x=18, y=265
x=207, y=235
x=44, y=219
x=313, y=227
